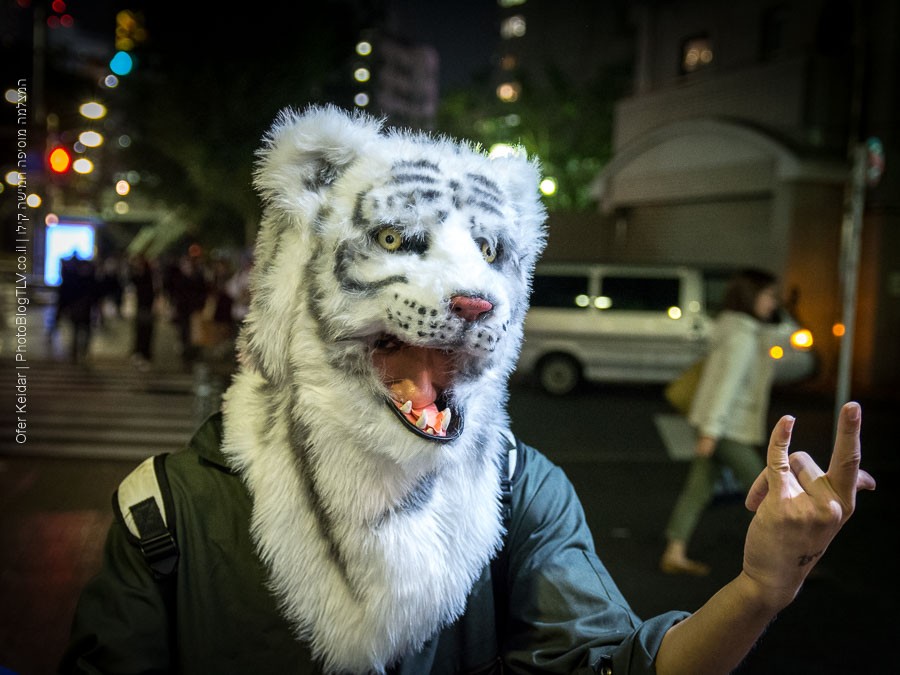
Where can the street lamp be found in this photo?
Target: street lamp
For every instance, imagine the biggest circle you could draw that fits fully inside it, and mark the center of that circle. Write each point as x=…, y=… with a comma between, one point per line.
x=90, y=139
x=83, y=165
x=92, y=110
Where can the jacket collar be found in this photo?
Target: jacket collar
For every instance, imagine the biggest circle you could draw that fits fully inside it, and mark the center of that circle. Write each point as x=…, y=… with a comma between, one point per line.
x=207, y=442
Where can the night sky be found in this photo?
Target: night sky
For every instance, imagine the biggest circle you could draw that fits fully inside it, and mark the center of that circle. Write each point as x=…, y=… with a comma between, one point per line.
x=463, y=31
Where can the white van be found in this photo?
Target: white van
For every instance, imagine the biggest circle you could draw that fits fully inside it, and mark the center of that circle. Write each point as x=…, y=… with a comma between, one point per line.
x=632, y=324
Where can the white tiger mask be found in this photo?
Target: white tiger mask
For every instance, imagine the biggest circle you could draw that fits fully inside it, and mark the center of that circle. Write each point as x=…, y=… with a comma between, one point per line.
x=410, y=257
x=389, y=289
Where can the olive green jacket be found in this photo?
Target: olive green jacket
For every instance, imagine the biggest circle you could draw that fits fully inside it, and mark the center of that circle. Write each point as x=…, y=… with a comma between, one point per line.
x=557, y=609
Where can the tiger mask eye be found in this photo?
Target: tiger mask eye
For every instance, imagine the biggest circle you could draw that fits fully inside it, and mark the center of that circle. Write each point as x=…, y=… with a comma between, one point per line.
x=389, y=238
x=488, y=250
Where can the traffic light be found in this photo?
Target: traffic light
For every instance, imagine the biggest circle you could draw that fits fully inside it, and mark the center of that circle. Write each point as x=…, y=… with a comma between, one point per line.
x=60, y=160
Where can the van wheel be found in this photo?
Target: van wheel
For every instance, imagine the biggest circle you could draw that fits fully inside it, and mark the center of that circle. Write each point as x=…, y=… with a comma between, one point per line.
x=559, y=374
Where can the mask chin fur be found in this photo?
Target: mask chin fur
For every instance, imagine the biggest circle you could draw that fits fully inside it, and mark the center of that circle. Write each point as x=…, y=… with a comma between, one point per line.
x=372, y=536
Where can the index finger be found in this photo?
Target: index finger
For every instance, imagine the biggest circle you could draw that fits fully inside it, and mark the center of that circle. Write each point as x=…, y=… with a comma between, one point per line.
x=778, y=467
x=843, y=469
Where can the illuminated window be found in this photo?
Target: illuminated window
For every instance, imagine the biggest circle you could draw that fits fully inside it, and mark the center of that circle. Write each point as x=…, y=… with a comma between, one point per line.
x=508, y=92
x=696, y=53
x=512, y=27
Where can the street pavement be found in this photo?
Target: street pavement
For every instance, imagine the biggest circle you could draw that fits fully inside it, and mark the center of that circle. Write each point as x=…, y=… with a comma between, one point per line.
x=88, y=426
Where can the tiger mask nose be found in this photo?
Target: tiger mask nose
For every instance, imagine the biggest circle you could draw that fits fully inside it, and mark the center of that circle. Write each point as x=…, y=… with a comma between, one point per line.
x=469, y=307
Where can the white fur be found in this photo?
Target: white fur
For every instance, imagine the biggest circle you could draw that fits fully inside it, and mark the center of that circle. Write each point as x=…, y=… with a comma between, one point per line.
x=364, y=579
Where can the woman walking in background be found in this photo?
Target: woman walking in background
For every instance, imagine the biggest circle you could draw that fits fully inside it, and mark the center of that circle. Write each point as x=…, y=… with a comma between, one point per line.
x=729, y=411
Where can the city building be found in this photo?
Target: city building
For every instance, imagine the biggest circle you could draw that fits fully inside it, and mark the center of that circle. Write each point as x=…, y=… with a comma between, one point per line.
x=736, y=147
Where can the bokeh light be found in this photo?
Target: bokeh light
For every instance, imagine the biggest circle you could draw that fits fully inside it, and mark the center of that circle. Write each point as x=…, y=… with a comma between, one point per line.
x=83, y=165
x=121, y=64
x=90, y=139
x=92, y=110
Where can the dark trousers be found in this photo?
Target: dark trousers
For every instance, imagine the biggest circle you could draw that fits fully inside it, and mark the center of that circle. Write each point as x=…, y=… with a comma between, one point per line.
x=143, y=333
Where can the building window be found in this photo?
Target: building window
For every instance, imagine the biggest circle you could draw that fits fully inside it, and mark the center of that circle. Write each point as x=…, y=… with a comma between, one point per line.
x=696, y=53
x=512, y=27
x=509, y=92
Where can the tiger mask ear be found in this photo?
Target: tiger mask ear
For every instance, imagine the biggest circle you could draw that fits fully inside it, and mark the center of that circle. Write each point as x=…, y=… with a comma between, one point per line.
x=304, y=153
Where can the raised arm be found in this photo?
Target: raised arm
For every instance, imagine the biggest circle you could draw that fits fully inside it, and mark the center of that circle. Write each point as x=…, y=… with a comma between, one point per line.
x=799, y=510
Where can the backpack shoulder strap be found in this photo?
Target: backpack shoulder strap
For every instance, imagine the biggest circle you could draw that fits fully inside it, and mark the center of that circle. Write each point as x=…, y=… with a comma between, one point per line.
x=143, y=503
x=500, y=562
x=507, y=472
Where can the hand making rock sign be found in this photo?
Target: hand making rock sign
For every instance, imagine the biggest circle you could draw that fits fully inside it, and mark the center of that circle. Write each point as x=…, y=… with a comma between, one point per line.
x=798, y=511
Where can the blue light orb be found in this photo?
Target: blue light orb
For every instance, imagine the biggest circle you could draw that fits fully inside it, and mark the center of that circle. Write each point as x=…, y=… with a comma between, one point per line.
x=121, y=64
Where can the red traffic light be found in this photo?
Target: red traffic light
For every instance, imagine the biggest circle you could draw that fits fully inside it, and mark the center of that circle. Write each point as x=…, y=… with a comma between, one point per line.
x=60, y=160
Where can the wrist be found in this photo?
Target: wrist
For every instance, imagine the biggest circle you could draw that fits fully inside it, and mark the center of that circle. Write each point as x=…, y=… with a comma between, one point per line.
x=764, y=598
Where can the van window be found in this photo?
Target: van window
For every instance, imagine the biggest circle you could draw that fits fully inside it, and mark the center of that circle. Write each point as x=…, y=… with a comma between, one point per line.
x=641, y=294
x=567, y=291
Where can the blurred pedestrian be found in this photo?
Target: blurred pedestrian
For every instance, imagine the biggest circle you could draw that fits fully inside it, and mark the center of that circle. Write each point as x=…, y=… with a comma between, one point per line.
x=110, y=288
x=222, y=301
x=187, y=290
x=729, y=410
x=81, y=296
x=67, y=272
x=143, y=280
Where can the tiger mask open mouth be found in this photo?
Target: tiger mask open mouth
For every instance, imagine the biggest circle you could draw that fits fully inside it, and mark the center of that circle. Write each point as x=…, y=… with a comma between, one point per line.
x=419, y=378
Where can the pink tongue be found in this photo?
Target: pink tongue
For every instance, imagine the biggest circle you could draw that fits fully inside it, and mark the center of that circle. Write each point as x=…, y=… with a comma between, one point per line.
x=415, y=374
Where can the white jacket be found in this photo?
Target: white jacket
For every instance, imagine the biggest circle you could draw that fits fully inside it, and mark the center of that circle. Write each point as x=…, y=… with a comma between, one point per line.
x=732, y=399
